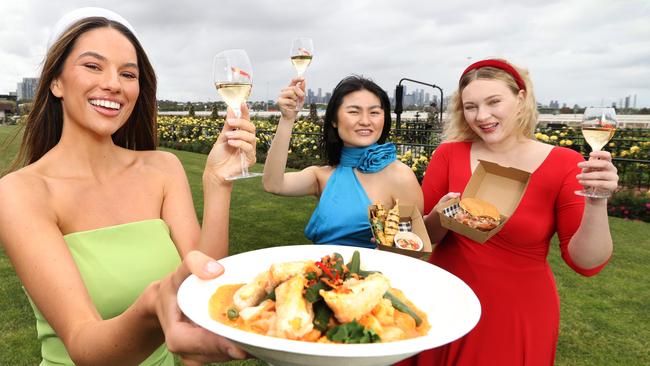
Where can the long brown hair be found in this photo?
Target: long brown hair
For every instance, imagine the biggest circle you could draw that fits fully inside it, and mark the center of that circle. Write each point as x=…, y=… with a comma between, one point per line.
x=44, y=123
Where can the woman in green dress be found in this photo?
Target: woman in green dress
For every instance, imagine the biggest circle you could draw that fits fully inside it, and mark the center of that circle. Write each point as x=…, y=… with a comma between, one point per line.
x=100, y=227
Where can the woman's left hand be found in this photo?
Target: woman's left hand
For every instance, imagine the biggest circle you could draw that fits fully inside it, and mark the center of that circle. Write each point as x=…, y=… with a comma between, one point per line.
x=194, y=344
x=237, y=135
x=598, y=172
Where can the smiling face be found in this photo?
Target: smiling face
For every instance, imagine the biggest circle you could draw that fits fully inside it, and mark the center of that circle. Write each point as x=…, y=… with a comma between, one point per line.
x=99, y=86
x=360, y=119
x=490, y=109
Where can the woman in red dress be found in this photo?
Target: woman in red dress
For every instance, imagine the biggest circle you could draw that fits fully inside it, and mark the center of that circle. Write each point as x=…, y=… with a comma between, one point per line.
x=493, y=118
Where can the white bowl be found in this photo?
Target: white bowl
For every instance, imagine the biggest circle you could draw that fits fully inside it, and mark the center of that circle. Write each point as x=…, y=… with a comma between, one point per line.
x=451, y=306
x=407, y=235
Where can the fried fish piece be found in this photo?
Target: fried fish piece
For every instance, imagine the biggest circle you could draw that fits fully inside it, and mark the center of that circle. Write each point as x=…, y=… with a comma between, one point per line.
x=280, y=272
x=295, y=316
x=356, y=297
x=251, y=294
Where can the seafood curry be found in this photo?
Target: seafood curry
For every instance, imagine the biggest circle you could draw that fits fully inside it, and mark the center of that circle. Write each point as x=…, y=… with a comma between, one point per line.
x=320, y=301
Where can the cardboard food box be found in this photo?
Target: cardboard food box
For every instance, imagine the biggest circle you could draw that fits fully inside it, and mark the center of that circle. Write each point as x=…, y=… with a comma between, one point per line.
x=501, y=186
x=408, y=213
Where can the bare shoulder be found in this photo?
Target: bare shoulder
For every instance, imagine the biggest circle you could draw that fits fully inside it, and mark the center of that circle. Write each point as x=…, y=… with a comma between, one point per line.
x=542, y=148
x=400, y=172
x=24, y=189
x=161, y=162
x=159, y=158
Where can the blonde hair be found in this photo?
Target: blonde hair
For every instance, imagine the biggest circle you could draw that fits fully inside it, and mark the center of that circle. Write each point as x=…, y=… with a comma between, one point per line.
x=457, y=128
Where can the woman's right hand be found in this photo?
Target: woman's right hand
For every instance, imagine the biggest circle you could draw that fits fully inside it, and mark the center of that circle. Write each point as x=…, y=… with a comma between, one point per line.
x=291, y=97
x=193, y=343
x=445, y=198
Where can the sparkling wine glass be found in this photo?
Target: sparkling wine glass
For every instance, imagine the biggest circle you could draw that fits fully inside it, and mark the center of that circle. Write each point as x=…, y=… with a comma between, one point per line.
x=233, y=77
x=302, y=52
x=598, y=127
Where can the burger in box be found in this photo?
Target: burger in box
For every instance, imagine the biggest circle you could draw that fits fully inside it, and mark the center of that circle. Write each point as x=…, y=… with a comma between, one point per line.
x=477, y=214
x=489, y=199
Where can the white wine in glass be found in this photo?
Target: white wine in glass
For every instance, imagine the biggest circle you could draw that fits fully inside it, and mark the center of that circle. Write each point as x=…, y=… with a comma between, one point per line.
x=302, y=53
x=598, y=127
x=233, y=78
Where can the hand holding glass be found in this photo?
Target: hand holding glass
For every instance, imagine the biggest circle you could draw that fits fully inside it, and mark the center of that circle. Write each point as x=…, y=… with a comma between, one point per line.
x=302, y=52
x=233, y=77
x=598, y=127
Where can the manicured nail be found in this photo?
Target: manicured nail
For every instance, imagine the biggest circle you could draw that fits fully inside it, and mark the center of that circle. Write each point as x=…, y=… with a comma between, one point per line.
x=236, y=353
x=213, y=267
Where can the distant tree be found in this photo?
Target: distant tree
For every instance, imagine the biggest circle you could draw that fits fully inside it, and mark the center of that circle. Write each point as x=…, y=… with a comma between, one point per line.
x=215, y=112
x=24, y=108
x=190, y=109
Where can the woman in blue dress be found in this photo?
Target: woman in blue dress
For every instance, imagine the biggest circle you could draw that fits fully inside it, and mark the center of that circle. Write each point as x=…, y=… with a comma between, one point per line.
x=362, y=168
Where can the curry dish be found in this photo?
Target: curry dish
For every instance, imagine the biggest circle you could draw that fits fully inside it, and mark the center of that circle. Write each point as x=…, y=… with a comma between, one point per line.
x=320, y=301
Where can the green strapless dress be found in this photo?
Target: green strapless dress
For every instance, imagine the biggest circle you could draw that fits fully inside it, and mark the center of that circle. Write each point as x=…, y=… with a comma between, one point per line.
x=116, y=264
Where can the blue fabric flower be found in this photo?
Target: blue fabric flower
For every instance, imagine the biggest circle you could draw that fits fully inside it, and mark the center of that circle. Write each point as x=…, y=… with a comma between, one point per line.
x=369, y=159
x=377, y=158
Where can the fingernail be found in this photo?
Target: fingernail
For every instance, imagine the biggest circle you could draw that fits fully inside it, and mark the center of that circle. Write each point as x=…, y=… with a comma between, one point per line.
x=213, y=267
x=236, y=353
x=231, y=121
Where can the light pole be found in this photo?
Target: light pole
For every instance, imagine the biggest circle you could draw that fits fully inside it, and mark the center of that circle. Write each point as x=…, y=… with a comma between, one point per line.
x=399, y=93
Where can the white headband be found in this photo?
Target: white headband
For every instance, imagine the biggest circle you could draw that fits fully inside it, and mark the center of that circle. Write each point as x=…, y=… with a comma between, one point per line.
x=76, y=15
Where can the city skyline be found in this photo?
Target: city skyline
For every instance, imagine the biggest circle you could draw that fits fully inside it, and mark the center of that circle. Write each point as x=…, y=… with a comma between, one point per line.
x=26, y=89
x=569, y=58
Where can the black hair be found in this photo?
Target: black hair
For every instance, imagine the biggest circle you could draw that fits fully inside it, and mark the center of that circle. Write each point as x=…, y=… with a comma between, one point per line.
x=332, y=143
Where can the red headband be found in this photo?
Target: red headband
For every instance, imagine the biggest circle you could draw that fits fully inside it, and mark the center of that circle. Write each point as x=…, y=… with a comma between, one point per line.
x=499, y=65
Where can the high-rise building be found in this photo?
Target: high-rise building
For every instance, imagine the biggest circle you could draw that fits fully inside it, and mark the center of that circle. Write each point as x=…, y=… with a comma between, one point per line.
x=26, y=89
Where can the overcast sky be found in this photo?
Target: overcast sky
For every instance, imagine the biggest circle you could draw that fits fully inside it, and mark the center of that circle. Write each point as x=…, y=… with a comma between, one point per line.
x=578, y=51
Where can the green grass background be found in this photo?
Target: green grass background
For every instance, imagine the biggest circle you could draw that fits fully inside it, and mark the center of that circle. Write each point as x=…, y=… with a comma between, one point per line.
x=604, y=319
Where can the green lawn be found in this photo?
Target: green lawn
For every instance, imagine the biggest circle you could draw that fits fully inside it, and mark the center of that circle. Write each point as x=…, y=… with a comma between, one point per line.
x=605, y=319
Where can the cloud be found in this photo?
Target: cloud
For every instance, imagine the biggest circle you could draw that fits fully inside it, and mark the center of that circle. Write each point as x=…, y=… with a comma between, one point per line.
x=578, y=51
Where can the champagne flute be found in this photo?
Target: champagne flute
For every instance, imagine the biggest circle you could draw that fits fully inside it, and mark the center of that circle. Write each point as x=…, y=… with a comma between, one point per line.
x=598, y=127
x=233, y=77
x=302, y=52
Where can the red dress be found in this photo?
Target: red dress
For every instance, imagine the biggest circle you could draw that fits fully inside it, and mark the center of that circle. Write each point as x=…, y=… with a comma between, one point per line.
x=520, y=308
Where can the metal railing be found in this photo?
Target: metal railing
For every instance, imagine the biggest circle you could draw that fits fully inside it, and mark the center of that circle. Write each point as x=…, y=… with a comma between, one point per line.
x=633, y=172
